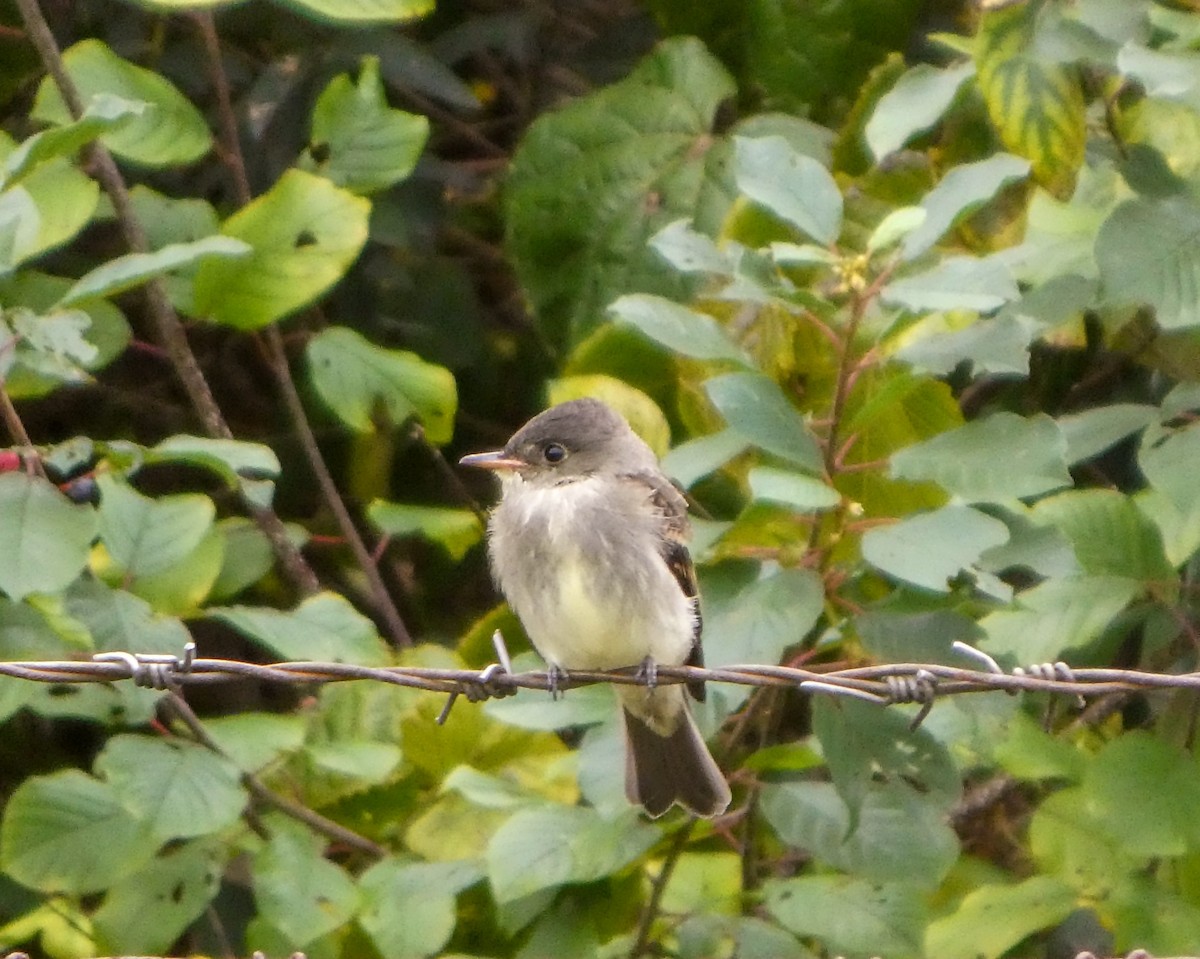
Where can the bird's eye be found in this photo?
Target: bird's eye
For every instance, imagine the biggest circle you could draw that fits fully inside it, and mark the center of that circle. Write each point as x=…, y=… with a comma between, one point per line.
x=554, y=453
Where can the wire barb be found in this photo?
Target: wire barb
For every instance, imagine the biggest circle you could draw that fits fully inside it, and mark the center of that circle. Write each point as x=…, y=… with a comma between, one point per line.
x=153, y=670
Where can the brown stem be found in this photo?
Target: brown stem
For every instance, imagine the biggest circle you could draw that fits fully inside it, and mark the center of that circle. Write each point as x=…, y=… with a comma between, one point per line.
x=641, y=941
x=254, y=785
x=170, y=331
x=16, y=429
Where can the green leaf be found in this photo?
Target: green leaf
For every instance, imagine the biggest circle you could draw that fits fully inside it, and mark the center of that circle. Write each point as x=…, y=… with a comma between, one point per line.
x=1109, y=534
x=455, y=530
x=1147, y=823
x=362, y=11
x=68, y=833
x=1056, y=616
x=960, y=193
x=297, y=890
x=146, y=536
x=690, y=251
x=705, y=882
x=181, y=789
x=895, y=227
x=44, y=539
x=997, y=344
x=591, y=183
x=678, y=328
x=144, y=914
x=45, y=210
x=851, y=916
x=305, y=232
x=247, y=559
x=992, y=919
x=51, y=346
x=957, y=283
x=362, y=144
x=896, y=837
x=1148, y=251
x=357, y=379
x=324, y=627
x=913, y=105
x=1000, y=457
x=1036, y=105
x=930, y=549
x=1029, y=752
x=169, y=132
x=867, y=747
x=133, y=269
x=793, y=186
x=924, y=637
x=696, y=458
x=254, y=740
x=552, y=846
x=756, y=408
x=1094, y=431
x=232, y=460
x=409, y=908
x=792, y=489
x=102, y=114
x=1169, y=458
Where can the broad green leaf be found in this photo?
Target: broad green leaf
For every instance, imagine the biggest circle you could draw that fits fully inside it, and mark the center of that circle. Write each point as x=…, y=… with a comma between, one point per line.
x=45, y=210
x=179, y=589
x=1094, y=431
x=995, y=344
x=896, y=837
x=922, y=637
x=171, y=220
x=1036, y=105
x=1148, y=251
x=591, y=183
x=1029, y=752
x=705, y=882
x=792, y=489
x=409, y=908
x=235, y=461
x=44, y=539
x=455, y=530
x=357, y=379
x=756, y=409
x=960, y=193
x=362, y=11
x=1056, y=616
x=358, y=141
x=146, y=536
x=132, y=269
x=305, y=232
x=1003, y=456
x=678, y=328
x=1143, y=908
x=169, y=132
x=104, y=113
x=51, y=346
x=1145, y=822
x=930, y=549
x=642, y=413
x=299, y=891
x=913, y=105
x=180, y=788
x=690, y=251
x=992, y=919
x=1168, y=459
x=144, y=914
x=551, y=846
x=1162, y=74
x=957, y=283
x=118, y=620
x=867, y=747
x=489, y=792
x=850, y=916
x=696, y=458
x=324, y=627
x=69, y=833
x=1109, y=534
x=254, y=740
x=895, y=227
x=793, y=186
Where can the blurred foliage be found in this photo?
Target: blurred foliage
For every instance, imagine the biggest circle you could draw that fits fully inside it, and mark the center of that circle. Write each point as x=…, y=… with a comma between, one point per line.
x=908, y=293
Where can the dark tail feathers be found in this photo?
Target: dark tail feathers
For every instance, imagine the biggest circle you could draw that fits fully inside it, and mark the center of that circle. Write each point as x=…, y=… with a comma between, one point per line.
x=661, y=770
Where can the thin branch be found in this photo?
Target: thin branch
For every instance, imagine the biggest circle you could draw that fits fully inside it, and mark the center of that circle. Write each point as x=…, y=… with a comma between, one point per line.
x=16, y=429
x=641, y=941
x=167, y=325
x=297, y=811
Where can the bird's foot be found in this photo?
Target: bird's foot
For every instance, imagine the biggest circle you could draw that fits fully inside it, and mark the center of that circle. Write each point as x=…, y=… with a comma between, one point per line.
x=647, y=673
x=555, y=677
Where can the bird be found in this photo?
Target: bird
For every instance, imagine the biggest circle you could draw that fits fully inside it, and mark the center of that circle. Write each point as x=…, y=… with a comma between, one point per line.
x=588, y=544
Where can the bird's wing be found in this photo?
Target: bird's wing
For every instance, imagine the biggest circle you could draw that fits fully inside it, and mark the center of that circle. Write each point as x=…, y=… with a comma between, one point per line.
x=672, y=507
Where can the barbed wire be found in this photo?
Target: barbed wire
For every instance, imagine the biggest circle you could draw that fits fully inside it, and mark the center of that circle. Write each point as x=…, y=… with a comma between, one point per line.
x=884, y=684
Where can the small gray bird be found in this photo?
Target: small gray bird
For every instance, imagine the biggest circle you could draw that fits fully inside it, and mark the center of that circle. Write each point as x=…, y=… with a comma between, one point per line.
x=588, y=544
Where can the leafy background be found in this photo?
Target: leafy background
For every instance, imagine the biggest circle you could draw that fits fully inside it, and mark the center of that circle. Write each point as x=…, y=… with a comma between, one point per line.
x=906, y=293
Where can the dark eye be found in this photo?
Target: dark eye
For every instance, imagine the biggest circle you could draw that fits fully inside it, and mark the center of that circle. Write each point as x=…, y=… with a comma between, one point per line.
x=554, y=453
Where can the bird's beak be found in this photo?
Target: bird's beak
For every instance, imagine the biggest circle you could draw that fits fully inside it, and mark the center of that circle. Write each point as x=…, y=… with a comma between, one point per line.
x=495, y=460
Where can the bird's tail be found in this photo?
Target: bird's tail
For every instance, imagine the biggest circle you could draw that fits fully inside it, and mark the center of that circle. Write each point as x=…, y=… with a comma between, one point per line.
x=661, y=770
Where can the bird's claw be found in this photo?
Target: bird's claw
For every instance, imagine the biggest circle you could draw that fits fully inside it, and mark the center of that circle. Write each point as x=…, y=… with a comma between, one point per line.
x=647, y=673
x=556, y=676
